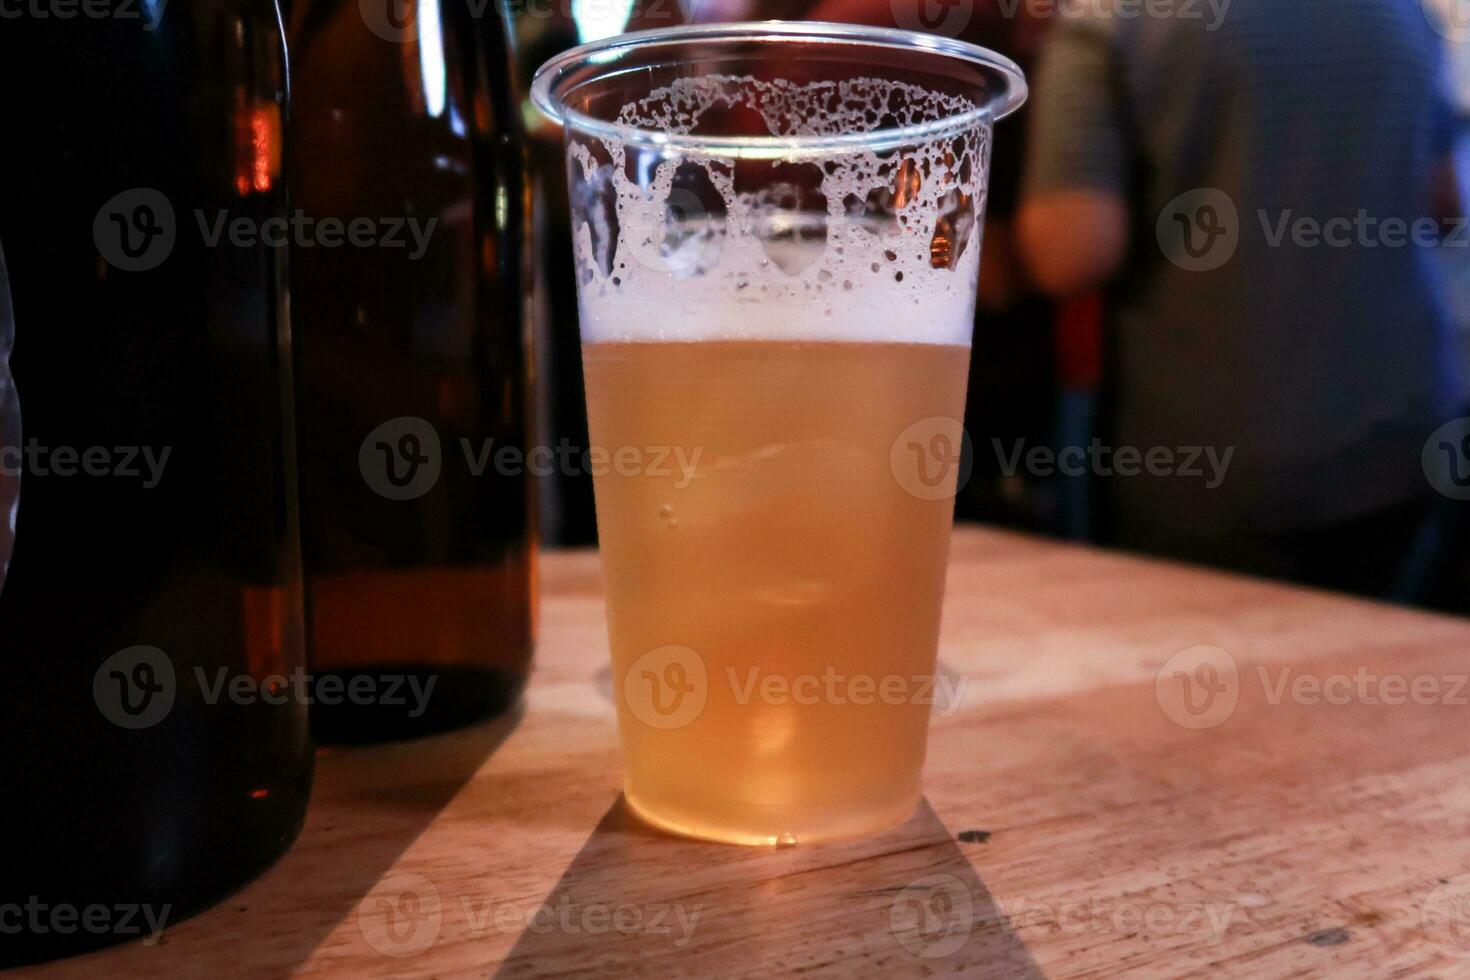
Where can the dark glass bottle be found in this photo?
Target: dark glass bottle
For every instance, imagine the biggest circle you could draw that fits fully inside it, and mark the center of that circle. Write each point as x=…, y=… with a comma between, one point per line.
x=150, y=617
x=412, y=364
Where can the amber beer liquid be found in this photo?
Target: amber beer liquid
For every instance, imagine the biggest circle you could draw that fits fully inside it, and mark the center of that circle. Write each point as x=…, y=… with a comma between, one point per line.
x=790, y=550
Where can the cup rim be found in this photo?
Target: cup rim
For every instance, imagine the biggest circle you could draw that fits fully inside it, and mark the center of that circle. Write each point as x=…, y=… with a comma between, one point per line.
x=547, y=94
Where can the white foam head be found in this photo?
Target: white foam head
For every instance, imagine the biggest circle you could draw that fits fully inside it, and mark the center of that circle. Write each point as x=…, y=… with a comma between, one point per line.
x=850, y=247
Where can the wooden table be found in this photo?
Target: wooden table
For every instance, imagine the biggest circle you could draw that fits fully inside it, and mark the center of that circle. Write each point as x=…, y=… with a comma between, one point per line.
x=1072, y=828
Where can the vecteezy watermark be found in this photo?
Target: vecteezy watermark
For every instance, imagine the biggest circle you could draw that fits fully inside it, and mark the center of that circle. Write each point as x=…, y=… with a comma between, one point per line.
x=1198, y=688
x=402, y=21
x=1211, y=11
x=303, y=231
x=147, y=12
x=135, y=688
x=143, y=463
x=1361, y=230
x=138, y=687
x=673, y=920
x=952, y=17
x=404, y=916
x=1200, y=230
x=1188, y=462
x=942, y=692
x=1446, y=459
x=932, y=459
x=611, y=15
x=137, y=230
x=669, y=687
x=1364, y=686
x=1207, y=920
x=401, y=916
x=1445, y=917
x=933, y=916
x=124, y=919
x=947, y=17
x=403, y=459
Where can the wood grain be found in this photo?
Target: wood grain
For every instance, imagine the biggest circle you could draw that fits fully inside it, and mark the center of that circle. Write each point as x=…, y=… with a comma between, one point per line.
x=1071, y=828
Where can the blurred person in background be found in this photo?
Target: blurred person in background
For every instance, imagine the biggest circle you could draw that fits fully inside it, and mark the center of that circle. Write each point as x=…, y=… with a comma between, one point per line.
x=1182, y=161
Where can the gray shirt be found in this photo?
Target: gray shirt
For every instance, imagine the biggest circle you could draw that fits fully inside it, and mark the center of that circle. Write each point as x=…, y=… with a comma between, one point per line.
x=1233, y=129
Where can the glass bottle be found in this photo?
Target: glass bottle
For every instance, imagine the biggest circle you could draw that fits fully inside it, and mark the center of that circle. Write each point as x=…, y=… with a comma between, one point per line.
x=413, y=369
x=151, y=626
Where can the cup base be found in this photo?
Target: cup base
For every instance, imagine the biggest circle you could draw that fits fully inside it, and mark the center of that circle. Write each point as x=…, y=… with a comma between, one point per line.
x=767, y=828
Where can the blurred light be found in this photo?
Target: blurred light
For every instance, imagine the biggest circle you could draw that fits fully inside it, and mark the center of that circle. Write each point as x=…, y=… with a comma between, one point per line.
x=597, y=19
x=258, y=147
x=431, y=58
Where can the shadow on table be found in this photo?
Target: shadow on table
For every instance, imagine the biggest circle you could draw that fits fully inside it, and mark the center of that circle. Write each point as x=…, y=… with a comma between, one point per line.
x=638, y=902
x=275, y=923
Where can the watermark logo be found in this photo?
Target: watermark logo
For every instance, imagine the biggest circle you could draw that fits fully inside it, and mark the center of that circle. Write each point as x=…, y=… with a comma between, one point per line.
x=1446, y=459
x=401, y=916
x=401, y=459
x=933, y=916
x=932, y=458
x=1199, y=230
x=135, y=231
x=392, y=20
x=135, y=688
x=667, y=688
x=1198, y=688
x=946, y=17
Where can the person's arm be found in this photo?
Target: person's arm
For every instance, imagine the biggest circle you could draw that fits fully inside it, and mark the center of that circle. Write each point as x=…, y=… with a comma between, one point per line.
x=1072, y=228
x=1073, y=241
